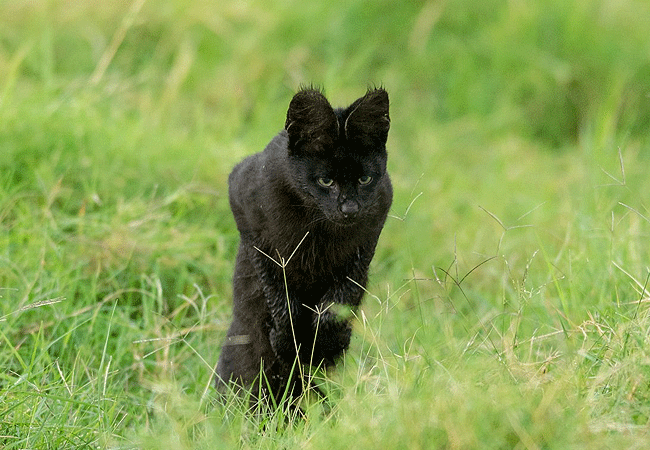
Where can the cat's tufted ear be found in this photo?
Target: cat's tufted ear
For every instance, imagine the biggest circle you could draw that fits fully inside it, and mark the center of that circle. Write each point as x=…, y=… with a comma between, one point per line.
x=310, y=121
x=368, y=120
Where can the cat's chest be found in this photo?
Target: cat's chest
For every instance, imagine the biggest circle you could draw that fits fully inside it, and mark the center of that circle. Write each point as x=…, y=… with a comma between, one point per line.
x=320, y=257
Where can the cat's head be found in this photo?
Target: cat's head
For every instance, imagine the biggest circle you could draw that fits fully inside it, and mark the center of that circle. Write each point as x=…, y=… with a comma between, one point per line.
x=337, y=157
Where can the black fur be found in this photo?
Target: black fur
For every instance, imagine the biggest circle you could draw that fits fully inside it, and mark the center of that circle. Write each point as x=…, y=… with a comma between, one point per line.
x=309, y=219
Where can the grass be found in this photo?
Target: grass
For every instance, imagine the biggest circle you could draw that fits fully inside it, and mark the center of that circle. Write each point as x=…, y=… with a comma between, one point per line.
x=508, y=302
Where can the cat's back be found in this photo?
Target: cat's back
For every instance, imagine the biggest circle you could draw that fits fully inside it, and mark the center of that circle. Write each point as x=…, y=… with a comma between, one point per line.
x=249, y=183
x=253, y=170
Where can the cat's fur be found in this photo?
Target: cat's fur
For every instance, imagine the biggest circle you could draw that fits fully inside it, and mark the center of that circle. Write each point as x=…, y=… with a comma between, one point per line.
x=305, y=203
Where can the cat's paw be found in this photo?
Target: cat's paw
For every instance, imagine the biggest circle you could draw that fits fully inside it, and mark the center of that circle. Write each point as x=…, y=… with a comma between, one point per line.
x=332, y=340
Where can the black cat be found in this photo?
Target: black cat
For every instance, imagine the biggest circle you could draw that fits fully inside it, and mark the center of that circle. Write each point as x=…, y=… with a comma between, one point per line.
x=309, y=210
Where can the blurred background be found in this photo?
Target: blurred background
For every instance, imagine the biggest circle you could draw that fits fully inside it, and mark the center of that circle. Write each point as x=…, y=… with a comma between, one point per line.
x=117, y=95
x=519, y=150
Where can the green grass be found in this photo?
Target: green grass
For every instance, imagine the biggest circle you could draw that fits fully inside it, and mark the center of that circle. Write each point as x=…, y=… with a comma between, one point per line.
x=508, y=301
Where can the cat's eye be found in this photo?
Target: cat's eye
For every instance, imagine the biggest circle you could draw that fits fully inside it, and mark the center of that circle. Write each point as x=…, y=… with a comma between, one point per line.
x=325, y=182
x=366, y=179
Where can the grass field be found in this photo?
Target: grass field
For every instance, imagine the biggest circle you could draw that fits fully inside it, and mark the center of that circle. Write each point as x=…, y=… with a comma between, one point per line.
x=508, y=300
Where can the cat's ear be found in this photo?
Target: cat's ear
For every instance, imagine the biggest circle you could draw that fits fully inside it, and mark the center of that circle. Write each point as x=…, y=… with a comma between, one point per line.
x=368, y=120
x=310, y=119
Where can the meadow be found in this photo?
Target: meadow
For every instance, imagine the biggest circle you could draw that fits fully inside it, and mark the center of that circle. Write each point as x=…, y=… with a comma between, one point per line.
x=508, y=300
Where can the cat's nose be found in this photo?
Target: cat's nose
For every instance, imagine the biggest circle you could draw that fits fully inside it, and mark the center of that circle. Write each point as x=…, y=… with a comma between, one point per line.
x=349, y=208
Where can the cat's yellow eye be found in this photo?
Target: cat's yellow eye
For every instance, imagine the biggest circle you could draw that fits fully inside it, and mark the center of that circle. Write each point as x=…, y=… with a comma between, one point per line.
x=366, y=179
x=325, y=182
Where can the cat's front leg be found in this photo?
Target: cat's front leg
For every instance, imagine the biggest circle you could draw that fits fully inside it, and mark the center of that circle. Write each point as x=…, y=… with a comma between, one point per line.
x=283, y=343
x=332, y=321
x=283, y=313
x=337, y=308
x=332, y=338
